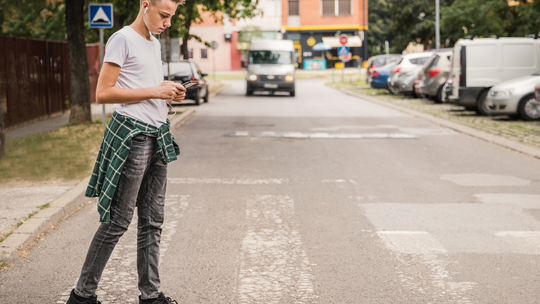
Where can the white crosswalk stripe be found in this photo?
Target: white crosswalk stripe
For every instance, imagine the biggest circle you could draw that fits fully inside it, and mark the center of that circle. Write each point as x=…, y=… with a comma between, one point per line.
x=274, y=268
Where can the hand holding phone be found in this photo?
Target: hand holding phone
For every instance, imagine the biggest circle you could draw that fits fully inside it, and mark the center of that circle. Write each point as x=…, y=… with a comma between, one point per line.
x=190, y=83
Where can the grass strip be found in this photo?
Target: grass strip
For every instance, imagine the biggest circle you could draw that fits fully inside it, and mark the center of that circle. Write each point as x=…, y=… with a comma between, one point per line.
x=63, y=154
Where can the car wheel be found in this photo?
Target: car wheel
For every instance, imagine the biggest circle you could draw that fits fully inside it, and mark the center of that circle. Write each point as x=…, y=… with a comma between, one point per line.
x=414, y=94
x=206, y=95
x=249, y=91
x=293, y=92
x=438, y=97
x=529, y=108
x=481, y=105
x=198, y=97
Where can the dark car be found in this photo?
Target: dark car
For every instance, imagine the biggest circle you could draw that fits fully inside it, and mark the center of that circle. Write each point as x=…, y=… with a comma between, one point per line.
x=184, y=71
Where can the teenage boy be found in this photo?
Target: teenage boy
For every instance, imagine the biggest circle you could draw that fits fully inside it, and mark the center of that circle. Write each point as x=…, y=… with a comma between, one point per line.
x=131, y=167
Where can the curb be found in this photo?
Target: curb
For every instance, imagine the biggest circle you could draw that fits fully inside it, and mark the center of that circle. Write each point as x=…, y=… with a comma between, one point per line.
x=60, y=208
x=494, y=139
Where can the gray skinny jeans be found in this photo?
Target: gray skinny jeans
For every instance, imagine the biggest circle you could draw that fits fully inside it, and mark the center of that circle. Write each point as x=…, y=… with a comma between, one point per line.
x=143, y=182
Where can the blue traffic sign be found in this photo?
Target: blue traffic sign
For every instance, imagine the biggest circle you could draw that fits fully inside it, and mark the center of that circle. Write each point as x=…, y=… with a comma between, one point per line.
x=100, y=15
x=343, y=50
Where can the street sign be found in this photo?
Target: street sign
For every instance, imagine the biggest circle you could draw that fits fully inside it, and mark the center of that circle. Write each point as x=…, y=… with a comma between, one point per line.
x=214, y=45
x=343, y=39
x=346, y=58
x=343, y=50
x=100, y=15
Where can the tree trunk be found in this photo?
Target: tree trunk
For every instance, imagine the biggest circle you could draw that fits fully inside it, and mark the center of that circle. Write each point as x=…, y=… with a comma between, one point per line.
x=189, y=14
x=78, y=63
x=2, y=133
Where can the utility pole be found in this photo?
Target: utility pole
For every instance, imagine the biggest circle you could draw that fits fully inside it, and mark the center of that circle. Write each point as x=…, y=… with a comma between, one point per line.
x=437, y=27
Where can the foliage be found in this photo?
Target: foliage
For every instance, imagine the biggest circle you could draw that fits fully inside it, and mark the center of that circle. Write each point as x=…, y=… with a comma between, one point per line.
x=249, y=32
x=379, y=21
x=483, y=18
x=414, y=21
x=33, y=18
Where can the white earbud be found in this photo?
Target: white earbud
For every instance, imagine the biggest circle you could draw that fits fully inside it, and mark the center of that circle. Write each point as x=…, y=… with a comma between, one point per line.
x=145, y=9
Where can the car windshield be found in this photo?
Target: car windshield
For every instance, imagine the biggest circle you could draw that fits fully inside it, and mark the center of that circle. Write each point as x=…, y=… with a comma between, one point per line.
x=179, y=68
x=270, y=57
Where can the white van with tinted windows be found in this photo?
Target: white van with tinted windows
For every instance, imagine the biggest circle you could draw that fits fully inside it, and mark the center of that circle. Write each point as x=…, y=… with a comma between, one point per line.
x=479, y=64
x=271, y=66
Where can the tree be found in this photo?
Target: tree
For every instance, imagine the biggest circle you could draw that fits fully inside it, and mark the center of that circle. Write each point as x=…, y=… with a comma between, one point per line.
x=484, y=18
x=33, y=18
x=414, y=21
x=379, y=23
x=78, y=63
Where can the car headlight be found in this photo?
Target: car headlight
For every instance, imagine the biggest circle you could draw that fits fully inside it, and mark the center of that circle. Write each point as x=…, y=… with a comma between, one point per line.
x=289, y=78
x=252, y=77
x=501, y=94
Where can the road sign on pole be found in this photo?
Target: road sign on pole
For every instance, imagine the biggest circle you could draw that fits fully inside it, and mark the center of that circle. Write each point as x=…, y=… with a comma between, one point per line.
x=343, y=50
x=343, y=39
x=214, y=46
x=100, y=16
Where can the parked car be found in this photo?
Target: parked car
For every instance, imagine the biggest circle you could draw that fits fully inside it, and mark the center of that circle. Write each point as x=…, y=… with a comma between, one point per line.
x=379, y=76
x=183, y=71
x=379, y=61
x=537, y=91
x=434, y=75
x=271, y=66
x=405, y=72
x=479, y=64
x=515, y=98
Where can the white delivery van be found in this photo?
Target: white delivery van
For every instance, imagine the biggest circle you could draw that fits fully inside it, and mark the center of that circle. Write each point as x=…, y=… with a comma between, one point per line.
x=479, y=64
x=271, y=66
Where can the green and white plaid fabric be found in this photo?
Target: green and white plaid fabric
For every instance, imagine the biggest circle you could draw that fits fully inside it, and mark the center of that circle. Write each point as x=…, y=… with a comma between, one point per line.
x=114, y=151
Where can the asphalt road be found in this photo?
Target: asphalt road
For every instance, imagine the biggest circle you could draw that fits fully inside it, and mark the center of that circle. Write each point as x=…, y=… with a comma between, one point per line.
x=320, y=198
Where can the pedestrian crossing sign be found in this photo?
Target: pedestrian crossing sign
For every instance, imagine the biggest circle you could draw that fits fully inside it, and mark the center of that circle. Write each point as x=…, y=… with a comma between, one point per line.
x=100, y=15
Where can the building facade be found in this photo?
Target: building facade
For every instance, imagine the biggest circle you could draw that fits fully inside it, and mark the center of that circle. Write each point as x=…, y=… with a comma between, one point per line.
x=308, y=22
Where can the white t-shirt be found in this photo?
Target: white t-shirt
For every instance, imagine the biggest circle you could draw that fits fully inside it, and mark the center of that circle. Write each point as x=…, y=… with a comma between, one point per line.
x=140, y=67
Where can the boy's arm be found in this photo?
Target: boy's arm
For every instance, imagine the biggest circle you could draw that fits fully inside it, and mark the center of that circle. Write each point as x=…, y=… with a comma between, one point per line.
x=107, y=92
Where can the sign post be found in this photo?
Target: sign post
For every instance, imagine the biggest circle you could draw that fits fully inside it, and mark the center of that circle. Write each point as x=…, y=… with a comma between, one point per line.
x=343, y=51
x=100, y=16
x=214, y=46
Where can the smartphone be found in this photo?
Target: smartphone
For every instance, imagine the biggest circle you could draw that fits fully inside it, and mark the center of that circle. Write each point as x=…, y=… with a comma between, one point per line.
x=189, y=83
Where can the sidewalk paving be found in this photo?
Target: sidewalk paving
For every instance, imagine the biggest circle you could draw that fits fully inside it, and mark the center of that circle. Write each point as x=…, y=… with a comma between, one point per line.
x=18, y=203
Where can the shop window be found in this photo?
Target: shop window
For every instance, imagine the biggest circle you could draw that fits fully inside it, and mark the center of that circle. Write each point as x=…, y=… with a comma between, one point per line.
x=336, y=7
x=204, y=53
x=190, y=53
x=294, y=8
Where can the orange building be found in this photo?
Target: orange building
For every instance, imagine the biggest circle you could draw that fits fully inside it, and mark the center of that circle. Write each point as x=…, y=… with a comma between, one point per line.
x=308, y=22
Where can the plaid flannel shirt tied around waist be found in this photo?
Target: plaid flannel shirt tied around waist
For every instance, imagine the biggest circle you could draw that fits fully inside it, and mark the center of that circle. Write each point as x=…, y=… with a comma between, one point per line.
x=114, y=151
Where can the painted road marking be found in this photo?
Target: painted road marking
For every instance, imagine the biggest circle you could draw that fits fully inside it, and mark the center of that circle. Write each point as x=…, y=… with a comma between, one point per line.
x=411, y=242
x=484, y=180
x=119, y=280
x=524, y=242
x=230, y=181
x=525, y=201
x=321, y=135
x=274, y=267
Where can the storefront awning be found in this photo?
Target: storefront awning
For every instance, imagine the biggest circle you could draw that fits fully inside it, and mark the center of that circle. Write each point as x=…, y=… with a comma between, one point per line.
x=353, y=41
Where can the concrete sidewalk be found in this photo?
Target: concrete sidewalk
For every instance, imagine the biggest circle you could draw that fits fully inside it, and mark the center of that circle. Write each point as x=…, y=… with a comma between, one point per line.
x=16, y=204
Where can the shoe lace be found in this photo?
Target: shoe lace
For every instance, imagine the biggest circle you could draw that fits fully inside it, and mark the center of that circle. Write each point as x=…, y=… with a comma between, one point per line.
x=170, y=301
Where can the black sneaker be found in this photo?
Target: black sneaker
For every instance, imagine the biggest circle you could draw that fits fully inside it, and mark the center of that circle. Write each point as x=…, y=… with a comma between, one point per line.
x=75, y=299
x=161, y=299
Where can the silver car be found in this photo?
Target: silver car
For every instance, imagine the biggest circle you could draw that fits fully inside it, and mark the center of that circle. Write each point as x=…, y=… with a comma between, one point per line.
x=515, y=98
x=405, y=72
x=434, y=74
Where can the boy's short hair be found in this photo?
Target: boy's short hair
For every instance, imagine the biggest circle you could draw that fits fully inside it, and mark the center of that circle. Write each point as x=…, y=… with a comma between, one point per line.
x=154, y=2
